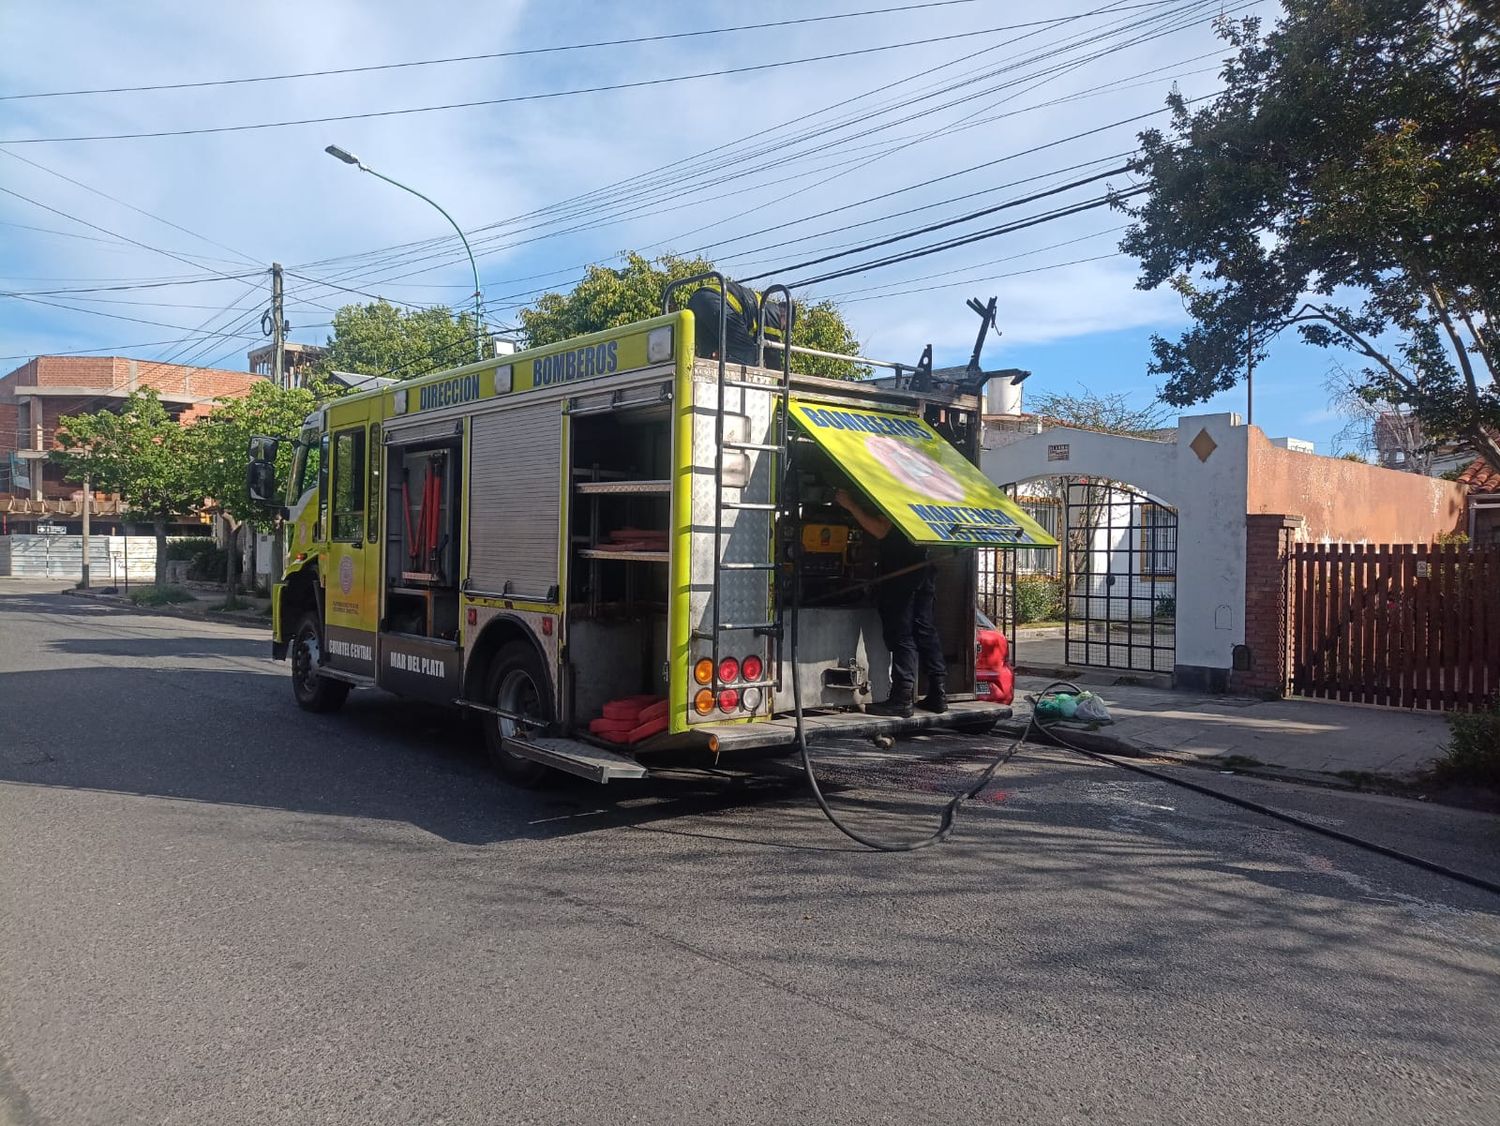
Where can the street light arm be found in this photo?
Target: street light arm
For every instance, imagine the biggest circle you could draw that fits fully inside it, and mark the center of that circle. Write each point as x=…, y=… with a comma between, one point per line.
x=478, y=317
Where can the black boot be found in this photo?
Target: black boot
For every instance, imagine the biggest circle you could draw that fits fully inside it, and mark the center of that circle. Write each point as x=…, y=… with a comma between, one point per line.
x=898, y=703
x=936, y=699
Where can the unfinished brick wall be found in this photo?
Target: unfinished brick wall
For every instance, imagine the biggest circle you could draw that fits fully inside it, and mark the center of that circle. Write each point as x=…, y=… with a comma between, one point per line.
x=1268, y=544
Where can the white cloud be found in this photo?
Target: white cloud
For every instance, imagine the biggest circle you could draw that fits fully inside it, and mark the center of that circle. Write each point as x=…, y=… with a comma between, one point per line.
x=274, y=195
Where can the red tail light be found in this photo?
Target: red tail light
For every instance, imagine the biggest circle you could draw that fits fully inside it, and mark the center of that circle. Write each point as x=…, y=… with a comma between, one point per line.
x=729, y=670
x=752, y=668
x=729, y=699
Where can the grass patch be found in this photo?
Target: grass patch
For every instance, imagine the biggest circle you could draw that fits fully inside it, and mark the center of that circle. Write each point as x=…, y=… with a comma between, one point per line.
x=1237, y=762
x=168, y=595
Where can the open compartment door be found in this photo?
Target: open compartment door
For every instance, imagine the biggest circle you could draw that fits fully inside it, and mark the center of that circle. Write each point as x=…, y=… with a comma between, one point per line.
x=920, y=482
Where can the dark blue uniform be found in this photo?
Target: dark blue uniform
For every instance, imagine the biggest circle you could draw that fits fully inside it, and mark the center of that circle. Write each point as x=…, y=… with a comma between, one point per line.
x=908, y=614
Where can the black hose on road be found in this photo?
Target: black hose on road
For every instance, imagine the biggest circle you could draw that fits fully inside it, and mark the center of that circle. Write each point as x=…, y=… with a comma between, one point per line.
x=1050, y=731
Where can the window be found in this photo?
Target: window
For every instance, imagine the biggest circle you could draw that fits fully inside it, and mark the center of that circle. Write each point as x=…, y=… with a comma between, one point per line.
x=305, y=467
x=372, y=520
x=1039, y=560
x=1158, y=541
x=349, y=484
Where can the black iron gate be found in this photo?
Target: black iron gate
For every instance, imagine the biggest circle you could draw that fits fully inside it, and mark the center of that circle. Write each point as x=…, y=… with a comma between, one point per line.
x=997, y=590
x=1119, y=578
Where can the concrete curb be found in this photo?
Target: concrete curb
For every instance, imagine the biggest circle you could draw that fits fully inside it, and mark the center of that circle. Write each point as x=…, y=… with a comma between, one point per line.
x=116, y=602
x=1107, y=744
x=1090, y=741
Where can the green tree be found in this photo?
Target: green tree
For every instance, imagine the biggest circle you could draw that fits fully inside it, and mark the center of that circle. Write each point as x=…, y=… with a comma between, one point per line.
x=380, y=339
x=224, y=440
x=140, y=453
x=607, y=298
x=1345, y=182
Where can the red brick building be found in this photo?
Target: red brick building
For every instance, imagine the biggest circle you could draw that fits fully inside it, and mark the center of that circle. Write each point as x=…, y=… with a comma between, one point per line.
x=36, y=394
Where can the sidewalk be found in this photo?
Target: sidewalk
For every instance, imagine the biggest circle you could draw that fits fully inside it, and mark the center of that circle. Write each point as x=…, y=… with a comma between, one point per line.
x=206, y=603
x=1290, y=738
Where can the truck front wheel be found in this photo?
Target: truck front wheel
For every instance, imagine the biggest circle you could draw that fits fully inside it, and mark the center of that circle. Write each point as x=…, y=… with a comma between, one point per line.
x=516, y=684
x=314, y=691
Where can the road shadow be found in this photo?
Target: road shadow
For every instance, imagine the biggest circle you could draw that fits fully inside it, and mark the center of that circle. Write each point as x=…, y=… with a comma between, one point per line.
x=213, y=645
x=237, y=738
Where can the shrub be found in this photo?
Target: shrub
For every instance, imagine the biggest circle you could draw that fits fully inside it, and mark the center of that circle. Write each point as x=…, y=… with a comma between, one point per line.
x=188, y=547
x=1473, y=755
x=208, y=565
x=160, y=595
x=1166, y=606
x=1038, y=599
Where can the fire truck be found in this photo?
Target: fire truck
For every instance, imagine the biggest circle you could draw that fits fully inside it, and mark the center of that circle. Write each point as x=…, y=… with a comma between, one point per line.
x=644, y=515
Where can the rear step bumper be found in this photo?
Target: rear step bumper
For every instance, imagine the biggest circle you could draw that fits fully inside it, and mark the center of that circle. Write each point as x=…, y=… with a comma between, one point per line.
x=826, y=725
x=598, y=764
x=574, y=756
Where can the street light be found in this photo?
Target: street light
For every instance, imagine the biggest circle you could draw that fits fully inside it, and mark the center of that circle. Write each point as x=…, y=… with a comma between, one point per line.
x=349, y=158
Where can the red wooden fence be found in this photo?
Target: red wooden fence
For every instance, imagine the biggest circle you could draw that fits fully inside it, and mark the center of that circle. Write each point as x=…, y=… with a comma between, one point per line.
x=1409, y=625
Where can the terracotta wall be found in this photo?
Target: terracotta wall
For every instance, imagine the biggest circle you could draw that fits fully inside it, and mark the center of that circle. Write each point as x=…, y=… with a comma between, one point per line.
x=1349, y=502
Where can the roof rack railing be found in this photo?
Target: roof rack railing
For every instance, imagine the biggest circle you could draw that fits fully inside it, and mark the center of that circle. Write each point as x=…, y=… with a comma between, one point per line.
x=894, y=365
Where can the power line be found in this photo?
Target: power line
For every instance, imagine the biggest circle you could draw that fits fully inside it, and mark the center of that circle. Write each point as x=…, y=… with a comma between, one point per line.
x=850, y=293
x=965, y=240
x=123, y=203
x=515, y=98
x=904, y=235
x=812, y=135
x=734, y=149
x=227, y=322
x=111, y=316
x=127, y=286
x=107, y=349
x=983, y=279
x=520, y=52
x=116, y=234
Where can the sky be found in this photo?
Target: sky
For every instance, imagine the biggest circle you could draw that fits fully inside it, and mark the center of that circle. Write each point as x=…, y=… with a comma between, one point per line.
x=892, y=120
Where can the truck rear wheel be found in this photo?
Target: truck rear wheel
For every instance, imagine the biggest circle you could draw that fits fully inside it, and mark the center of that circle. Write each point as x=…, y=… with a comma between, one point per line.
x=314, y=691
x=516, y=683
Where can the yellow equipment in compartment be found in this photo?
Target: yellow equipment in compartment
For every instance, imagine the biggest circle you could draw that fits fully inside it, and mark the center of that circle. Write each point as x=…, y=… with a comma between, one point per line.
x=825, y=539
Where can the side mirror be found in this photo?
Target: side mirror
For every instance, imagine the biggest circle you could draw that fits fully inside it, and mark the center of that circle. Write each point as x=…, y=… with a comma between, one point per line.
x=260, y=473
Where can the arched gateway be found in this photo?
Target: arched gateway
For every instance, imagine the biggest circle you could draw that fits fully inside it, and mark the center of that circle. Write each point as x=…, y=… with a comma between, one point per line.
x=1153, y=562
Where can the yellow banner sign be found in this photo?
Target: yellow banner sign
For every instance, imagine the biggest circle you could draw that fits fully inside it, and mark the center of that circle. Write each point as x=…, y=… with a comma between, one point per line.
x=924, y=486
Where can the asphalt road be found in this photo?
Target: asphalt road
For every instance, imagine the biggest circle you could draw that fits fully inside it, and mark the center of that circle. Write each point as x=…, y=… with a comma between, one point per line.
x=217, y=909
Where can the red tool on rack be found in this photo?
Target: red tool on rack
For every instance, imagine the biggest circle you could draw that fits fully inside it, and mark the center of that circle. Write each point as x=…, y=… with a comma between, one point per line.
x=422, y=548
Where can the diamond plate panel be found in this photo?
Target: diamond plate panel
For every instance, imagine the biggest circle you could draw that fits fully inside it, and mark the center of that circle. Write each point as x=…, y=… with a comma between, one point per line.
x=746, y=595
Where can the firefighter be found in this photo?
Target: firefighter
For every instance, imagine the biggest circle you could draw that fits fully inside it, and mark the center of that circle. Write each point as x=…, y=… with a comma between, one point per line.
x=742, y=314
x=905, y=595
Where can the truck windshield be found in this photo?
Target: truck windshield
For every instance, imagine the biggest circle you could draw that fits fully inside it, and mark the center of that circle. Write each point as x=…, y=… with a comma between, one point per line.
x=305, y=466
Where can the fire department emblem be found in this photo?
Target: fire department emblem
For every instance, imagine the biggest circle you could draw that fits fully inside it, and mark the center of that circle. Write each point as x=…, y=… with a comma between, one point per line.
x=346, y=574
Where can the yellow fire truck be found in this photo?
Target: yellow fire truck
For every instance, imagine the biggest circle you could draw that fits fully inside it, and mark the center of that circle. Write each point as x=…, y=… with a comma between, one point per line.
x=629, y=515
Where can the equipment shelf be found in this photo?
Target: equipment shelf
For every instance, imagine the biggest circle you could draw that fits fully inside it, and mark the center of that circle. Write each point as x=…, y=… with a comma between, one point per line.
x=627, y=556
x=624, y=488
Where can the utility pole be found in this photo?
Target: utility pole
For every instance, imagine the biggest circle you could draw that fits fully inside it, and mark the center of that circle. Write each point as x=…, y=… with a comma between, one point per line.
x=278, y=329
x=87, y=496
x=279, y=374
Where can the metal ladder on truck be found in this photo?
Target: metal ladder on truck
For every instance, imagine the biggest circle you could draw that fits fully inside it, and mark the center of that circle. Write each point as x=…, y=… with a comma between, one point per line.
x=773, y=627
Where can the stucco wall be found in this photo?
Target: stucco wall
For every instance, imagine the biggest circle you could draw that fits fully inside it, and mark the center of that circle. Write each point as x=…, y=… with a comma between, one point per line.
x=1208, y=493
x=1348, y=502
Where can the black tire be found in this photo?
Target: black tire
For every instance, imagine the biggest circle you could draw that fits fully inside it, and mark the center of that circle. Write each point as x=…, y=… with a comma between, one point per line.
x=516, y=682
x=313, y=691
